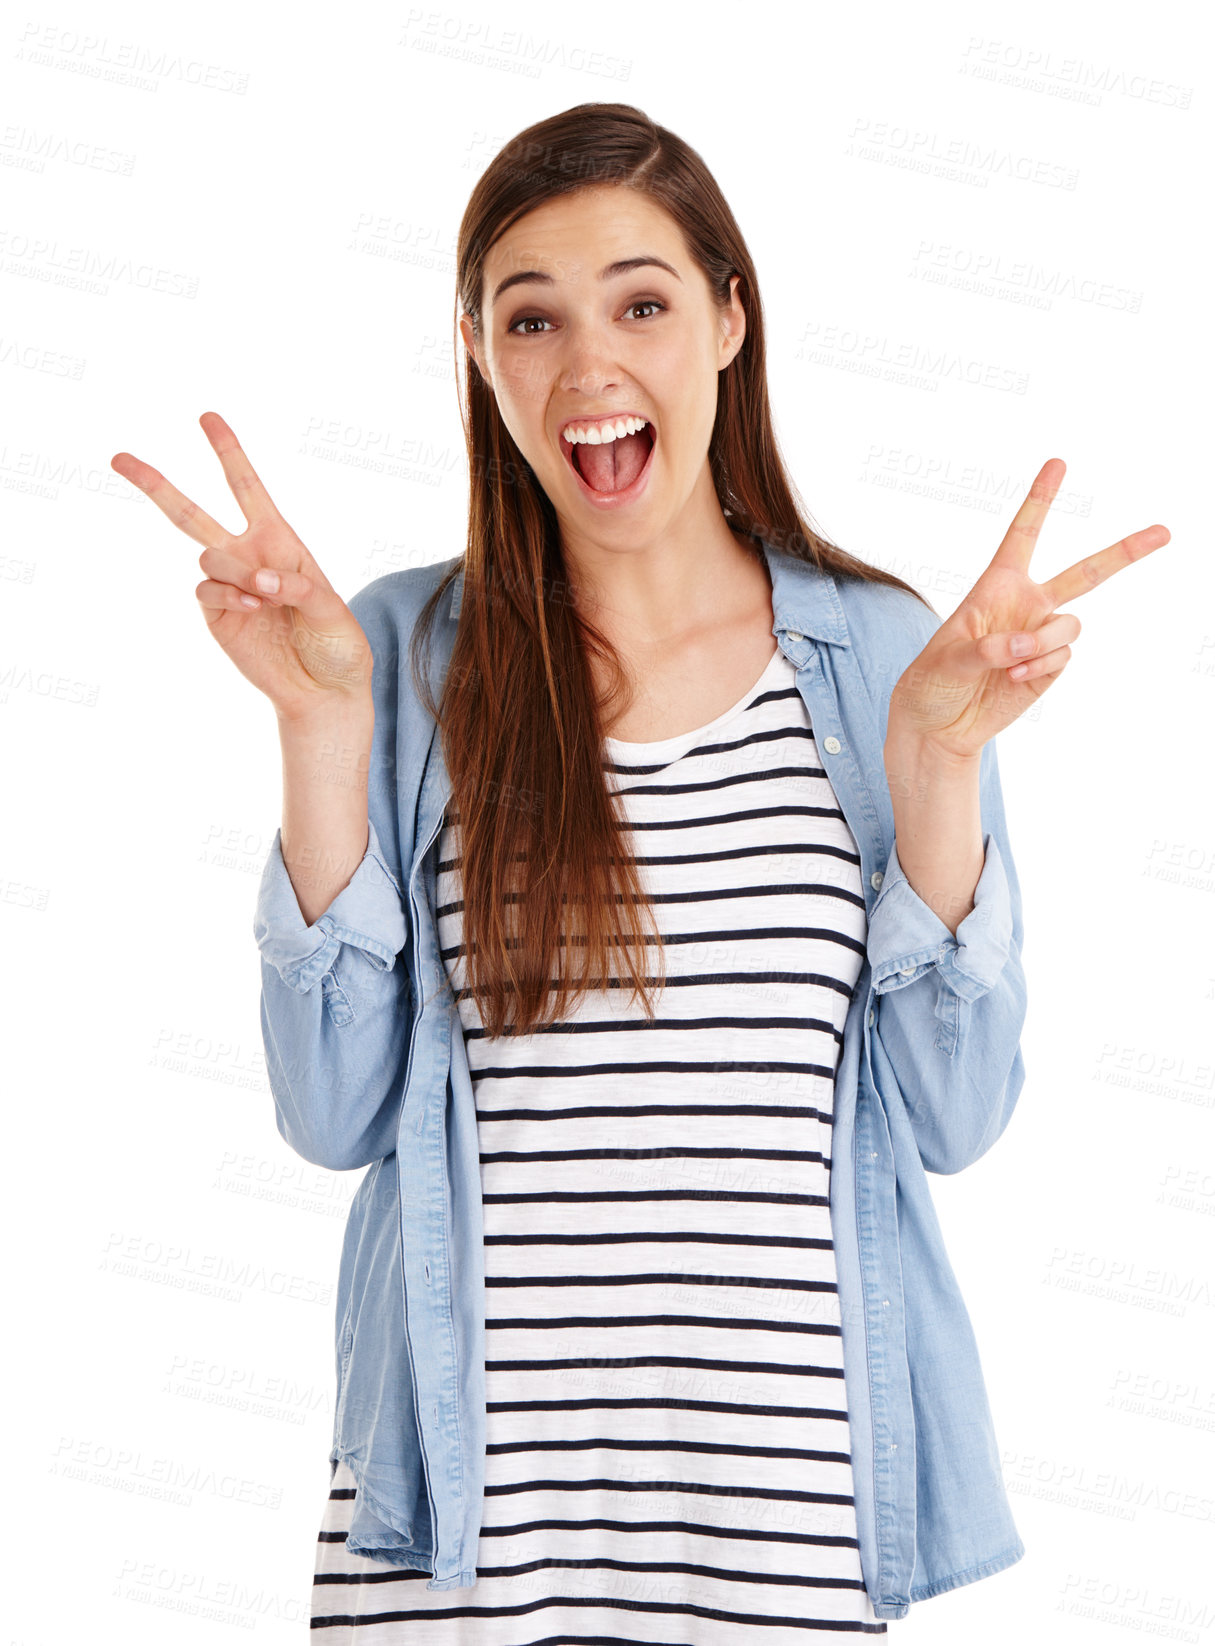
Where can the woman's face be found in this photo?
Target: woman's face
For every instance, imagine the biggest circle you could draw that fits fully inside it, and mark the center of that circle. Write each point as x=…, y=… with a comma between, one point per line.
x=567, y=341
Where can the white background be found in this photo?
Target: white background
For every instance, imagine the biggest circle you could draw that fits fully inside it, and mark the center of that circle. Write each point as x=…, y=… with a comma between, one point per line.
x=981, y=233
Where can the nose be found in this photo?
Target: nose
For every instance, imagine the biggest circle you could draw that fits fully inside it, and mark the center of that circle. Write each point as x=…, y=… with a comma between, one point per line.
x=586, y=366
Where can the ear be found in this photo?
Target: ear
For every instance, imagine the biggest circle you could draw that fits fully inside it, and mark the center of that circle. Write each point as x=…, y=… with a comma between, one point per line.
x=470, y=343
x=734, y=326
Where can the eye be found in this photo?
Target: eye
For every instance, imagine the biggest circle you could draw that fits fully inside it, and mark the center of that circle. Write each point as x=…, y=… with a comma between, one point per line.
x=526, y=320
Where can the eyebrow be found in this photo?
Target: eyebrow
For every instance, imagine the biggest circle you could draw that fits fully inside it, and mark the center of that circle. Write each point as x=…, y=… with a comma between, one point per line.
x=623, y=266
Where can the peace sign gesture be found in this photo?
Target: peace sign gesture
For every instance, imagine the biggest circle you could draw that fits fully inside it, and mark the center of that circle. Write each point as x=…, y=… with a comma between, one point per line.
x=1006, y=644
x=296, y=639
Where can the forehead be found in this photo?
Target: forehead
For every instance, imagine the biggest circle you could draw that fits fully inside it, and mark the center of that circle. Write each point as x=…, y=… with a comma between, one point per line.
x=572, y=236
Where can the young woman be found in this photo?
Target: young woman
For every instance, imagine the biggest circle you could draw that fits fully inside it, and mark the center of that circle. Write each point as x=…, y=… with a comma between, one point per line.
x=643, y=918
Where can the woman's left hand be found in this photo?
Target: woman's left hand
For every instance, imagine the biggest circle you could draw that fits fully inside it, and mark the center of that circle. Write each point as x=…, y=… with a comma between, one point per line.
x=974, y=677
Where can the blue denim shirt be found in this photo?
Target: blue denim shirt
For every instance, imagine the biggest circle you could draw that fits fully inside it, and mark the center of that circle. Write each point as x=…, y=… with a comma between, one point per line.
x=367, y=1068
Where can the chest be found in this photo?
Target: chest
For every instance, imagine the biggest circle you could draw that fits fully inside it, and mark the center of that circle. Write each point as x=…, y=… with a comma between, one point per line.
x=675, y=694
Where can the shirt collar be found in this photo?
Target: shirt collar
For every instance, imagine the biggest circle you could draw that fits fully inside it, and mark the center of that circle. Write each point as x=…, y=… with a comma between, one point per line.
x=805, y=600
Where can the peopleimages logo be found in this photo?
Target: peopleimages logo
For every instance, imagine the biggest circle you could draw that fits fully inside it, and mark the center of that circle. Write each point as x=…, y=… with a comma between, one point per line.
x=125, y=61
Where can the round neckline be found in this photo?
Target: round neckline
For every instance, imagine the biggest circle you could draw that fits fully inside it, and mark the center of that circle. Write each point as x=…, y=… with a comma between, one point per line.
x=665, y=746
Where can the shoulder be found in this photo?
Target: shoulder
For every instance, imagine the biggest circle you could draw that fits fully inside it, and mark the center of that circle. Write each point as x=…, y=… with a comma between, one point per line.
x=840, y=605
x=880, y=614
x=884, y=623
x=888, y=628
x=388, y=607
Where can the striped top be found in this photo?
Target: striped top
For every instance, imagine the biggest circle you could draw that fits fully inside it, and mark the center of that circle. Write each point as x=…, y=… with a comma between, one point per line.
x=667, y=1441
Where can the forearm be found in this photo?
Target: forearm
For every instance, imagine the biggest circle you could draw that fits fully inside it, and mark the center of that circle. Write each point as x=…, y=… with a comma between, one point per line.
x=937, y=824
x=325, y=774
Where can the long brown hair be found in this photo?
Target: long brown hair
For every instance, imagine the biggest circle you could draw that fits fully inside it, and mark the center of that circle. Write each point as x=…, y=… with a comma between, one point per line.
x=543, y=877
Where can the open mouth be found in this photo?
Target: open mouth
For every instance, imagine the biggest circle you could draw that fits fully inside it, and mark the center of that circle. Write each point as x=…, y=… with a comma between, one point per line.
x=615, y=471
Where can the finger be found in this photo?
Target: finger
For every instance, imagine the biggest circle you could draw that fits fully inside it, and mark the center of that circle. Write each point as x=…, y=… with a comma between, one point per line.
x=251, y=496
x=293, y=588
x=1021, y=537
x=1043, y=668
x=975, y=658
x=184, y=514
x=218, y=598
x=1087, y=574
x=1020, y=645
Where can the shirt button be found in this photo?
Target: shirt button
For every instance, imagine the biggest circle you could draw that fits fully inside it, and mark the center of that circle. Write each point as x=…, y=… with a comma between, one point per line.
x=885, y=1303
x=831, y=744
x=906, y=971
x=871, y=1018
x=876, y=878
x=793, y=635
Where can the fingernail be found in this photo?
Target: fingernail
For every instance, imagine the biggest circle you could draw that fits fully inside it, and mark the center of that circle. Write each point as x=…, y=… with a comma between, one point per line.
x=1022, y=645
x=267, y=582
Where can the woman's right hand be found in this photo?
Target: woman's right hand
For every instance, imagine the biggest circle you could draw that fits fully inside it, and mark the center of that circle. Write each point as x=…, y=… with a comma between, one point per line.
x=300, y=644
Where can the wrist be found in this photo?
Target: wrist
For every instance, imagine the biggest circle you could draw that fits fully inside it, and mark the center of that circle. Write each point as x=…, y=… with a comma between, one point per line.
x=925, y=779
x=920, y=751
x=343, y=710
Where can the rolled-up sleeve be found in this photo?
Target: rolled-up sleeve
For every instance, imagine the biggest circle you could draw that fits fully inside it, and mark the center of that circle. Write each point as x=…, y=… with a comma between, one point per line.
x=368, y=913
x=906, y=937
x=336, y=995
x=948, y=1007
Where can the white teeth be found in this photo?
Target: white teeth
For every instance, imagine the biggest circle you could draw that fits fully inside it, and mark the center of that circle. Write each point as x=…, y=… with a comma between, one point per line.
x=601, y=434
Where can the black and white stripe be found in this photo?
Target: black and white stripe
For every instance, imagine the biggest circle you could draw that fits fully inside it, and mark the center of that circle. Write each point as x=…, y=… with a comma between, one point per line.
x=667, y=1433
